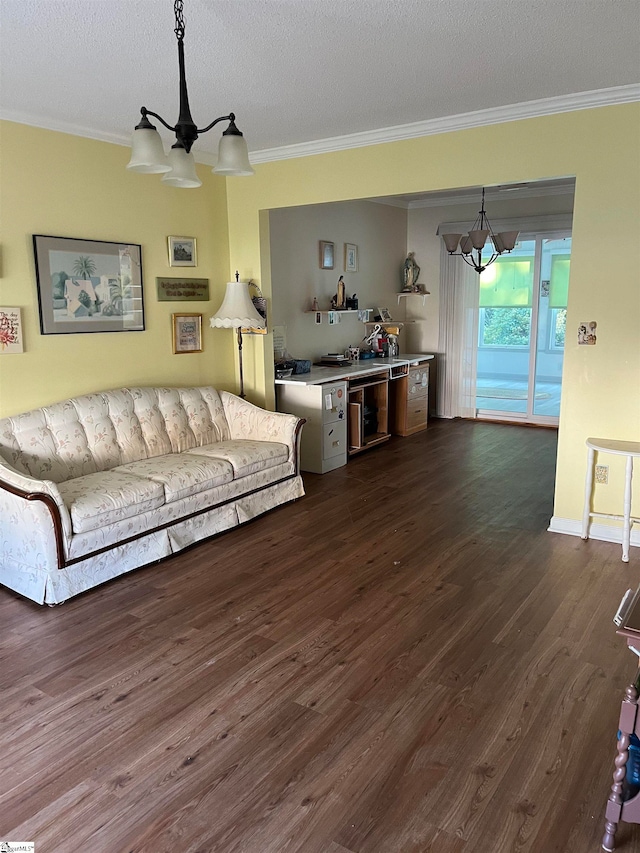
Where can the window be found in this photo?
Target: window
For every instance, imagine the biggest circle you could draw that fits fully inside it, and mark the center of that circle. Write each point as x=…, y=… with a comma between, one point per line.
x=558, y=328
x=505, y=327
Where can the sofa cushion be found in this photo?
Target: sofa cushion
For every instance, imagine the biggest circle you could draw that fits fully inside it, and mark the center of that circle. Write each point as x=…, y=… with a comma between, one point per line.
x=182, y=474
x=245, y=456
x=108, y=496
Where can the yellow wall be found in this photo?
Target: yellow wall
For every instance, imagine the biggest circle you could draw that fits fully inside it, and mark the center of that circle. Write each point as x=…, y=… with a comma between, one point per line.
x=601, y=148
x=54, y=183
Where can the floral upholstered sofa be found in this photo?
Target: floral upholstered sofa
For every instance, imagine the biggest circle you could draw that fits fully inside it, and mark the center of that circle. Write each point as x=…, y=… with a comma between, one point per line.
x=93, y=487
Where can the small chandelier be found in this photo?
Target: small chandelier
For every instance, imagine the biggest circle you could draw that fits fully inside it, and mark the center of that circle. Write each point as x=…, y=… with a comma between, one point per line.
x=472, y=245
x=179, y=168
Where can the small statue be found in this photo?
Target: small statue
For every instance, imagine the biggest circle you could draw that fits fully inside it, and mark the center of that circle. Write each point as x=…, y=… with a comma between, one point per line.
x=315, y=305
x=410, y=273
x=341, y=294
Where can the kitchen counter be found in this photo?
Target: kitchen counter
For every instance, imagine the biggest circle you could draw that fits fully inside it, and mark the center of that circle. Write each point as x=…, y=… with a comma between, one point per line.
x=320, y=375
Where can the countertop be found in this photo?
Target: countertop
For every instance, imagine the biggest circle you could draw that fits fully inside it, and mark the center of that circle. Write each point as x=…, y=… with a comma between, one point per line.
x=320, y=375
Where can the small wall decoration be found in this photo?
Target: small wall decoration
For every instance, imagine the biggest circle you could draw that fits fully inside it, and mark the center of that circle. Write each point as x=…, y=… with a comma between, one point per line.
x=587, y=334
x=182, y=252
x=187, y=333
x=10, y=331
x=182, y=289
x=333, y=318
x=326, y=255
x=88, y=285
x=350, y=257
x=318, y=318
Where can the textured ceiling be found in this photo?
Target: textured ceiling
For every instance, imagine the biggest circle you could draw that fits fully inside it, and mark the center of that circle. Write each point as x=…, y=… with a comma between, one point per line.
x=296, y=71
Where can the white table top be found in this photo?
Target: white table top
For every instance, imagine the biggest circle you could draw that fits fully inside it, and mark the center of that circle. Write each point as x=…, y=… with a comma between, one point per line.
x=320, y=375
x=621, y=448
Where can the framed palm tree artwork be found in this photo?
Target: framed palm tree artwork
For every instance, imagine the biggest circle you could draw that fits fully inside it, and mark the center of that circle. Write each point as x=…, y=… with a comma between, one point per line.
x=88, y=285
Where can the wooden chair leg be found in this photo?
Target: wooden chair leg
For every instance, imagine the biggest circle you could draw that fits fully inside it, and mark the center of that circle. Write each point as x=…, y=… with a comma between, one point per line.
x=614, y=803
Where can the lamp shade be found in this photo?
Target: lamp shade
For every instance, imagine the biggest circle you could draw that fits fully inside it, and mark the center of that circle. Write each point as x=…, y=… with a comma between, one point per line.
x=233, y=156
x=508, y=239
x=183, y=169
x=451, y=241
x=237, y=309
x=147, y=152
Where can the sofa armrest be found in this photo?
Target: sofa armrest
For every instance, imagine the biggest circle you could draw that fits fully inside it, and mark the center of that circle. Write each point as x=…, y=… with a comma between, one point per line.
x=31, y=510
x=251, y=422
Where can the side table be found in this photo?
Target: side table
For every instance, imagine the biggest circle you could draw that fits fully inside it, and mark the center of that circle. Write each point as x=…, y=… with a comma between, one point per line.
x=630, y=449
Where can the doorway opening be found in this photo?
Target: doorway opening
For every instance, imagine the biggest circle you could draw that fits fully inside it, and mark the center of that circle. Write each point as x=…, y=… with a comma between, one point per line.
x=521, y=331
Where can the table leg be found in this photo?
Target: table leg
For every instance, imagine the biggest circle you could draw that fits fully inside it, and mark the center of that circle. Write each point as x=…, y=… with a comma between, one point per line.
x=614, y=803
x=626, y=525
x=588, y=487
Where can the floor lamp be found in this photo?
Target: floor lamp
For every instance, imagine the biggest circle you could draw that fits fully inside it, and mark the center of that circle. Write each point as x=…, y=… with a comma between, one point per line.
x=237, y=312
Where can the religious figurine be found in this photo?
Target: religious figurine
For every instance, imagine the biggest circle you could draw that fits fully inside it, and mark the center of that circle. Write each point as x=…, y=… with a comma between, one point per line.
x=410, y=273
x=341, y=294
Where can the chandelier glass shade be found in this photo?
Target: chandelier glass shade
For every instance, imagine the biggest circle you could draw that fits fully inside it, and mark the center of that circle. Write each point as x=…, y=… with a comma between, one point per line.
x=472, y=245
x=179, y=168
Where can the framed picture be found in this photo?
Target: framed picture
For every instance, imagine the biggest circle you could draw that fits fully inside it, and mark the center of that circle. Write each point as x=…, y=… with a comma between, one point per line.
x=385, y=316
x=88, y=285
x=350, y=257
x=326, y=255
x=182, y=252
x=10, y=331
x=187, y=332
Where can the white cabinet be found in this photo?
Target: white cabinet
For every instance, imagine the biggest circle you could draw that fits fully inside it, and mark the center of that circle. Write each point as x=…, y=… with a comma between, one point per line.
x=324, y=436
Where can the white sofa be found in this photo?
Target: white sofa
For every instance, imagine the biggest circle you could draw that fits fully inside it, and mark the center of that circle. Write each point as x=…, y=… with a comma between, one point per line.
x=99, y=485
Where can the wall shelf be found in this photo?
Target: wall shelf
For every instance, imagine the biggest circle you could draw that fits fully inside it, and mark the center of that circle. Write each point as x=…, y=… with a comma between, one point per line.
x=423, y=293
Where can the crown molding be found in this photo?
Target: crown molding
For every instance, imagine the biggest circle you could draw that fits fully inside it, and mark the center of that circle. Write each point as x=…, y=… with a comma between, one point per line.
x=447, y=124
x=493, y=195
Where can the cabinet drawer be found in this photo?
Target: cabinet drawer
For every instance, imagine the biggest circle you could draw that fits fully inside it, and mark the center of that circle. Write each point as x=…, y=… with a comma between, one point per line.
x=334, y=439
x=418, y=384
x=416, y=413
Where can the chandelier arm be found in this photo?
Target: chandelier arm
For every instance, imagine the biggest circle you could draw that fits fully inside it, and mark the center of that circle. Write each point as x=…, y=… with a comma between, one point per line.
x=230, y=117
x=145, y=112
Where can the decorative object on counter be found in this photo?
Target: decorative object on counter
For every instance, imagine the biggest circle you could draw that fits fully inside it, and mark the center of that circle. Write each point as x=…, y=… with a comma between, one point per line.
x=326, y=255
x=260, y=304
x=237, y=312
x=352, y=353
x=352, y=303
x=350, y=257
x=10, y=331
x=475, y=241
x=410, y=273
x=88, y=285
x=182, y=252
x=179, y=168
x=182, y=289
x=315, y=306
x=186, y=333
x=384, y=315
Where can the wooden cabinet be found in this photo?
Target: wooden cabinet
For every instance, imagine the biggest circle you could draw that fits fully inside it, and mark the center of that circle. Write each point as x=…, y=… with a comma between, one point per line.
x=409, y=401
x=368, y=418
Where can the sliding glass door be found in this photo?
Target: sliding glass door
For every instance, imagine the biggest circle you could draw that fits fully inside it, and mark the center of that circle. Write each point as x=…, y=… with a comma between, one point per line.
x=521, y=331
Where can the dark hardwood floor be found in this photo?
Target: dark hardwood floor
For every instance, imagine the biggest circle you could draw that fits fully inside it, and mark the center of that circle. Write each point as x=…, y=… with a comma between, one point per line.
x=403, y=661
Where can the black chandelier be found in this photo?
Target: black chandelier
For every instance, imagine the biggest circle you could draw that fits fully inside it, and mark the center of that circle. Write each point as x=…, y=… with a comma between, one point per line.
x=473, y=243
x=179, y=169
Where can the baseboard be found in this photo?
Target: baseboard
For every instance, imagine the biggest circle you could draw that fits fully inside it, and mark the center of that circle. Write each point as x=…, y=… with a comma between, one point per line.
x=603, y=532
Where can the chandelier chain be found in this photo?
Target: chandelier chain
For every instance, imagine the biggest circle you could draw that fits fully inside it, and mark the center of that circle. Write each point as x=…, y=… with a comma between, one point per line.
x=177, y=8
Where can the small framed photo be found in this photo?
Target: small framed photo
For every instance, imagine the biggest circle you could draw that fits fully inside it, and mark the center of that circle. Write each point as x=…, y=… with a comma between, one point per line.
x=187, y=333
x=326, y=255
x=318, y=318
x=350, y=257
x=385, y=316
x=182, y=252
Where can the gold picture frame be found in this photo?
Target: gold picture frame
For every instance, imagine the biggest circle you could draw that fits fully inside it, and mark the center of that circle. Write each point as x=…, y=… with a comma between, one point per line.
x=350, y=257
x=186, y=333
x=182, y=252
